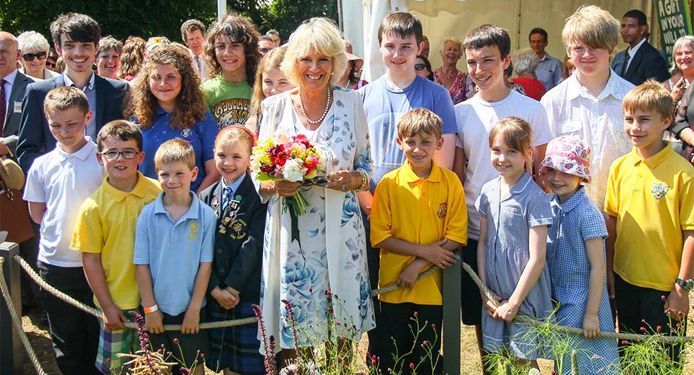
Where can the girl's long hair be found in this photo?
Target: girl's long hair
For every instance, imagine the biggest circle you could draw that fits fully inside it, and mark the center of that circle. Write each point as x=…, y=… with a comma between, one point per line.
x=190, y=102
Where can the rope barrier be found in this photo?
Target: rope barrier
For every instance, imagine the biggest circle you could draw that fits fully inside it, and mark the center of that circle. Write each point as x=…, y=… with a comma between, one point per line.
x=99, y=314
x=524, y=319
x=388, y=288
x=18, y=322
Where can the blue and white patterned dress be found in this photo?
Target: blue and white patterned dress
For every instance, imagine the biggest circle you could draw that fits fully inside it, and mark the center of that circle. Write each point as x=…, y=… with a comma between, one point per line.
x=509, y=219
x=576, y=221
x=332, y=254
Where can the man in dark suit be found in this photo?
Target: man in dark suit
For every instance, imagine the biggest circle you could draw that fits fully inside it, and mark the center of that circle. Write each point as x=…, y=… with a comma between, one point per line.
x=12, y=91
x=12, y=87
x=640, y=61
x=76, y=37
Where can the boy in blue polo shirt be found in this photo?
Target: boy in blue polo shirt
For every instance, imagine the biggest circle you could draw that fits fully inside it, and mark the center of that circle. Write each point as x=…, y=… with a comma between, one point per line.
x=173, y=255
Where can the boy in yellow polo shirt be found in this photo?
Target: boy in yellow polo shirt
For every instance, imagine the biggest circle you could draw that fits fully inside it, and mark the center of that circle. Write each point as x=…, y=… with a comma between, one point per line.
x=650, y=208
x=418, y=219
x=105, y=235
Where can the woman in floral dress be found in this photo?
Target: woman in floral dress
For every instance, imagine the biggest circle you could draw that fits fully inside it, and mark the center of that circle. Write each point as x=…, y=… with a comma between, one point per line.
x=322, y=275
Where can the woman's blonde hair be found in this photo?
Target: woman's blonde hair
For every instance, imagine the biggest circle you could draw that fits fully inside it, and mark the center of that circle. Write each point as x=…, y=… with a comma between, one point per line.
x=686, y=40
x=592, y=26
x=190, y=102
x=455, y=41
x=322, y=36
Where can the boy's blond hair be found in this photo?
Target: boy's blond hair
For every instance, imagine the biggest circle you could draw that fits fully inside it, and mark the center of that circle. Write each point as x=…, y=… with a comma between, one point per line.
x=649, y=96
x=174, y=151
x=592, y=26
x=420, y=120
x=63, y=98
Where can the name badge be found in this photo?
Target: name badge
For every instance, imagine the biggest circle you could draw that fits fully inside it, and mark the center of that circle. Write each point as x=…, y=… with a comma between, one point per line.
x=17, y=107
x=234, y=205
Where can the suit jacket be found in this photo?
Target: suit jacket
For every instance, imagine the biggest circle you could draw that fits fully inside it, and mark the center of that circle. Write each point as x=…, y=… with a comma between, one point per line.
x=647, y=63
x=12, y=117
x=238, y=243
x=34, y=137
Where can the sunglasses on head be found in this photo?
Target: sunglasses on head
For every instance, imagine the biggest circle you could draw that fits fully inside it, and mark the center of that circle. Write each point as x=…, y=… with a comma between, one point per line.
x=419, y=66
x=32, y=56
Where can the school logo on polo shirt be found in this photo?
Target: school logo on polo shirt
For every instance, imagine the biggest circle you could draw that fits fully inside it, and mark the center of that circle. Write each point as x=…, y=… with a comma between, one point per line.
x=659, y=190
x=193, y=230
x=443, y=209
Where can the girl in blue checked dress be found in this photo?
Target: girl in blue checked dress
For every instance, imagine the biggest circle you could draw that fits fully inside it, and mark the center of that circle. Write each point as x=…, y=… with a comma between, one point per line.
x=513, y=238
x=576, y=258
x=238, y=253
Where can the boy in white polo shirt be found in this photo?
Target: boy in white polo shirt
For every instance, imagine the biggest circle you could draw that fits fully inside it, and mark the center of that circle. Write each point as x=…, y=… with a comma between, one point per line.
x=57, y=184
x=487, y=49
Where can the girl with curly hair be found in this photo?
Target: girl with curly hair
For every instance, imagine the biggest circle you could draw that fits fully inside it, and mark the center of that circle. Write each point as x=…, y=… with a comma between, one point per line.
x=132, y=58
x=167, y=103
x=231, y=50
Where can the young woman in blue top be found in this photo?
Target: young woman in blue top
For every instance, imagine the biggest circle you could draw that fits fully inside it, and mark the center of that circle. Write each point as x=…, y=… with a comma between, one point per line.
x=167, y=103
x=513, y=240
x=576, y=258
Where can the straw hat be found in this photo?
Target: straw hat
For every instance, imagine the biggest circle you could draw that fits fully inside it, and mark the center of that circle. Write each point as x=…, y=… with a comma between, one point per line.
x=11, y=174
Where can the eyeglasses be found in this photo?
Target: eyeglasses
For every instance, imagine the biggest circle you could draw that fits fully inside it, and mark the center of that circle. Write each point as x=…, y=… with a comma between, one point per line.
x=264, y=50
x=113, y=154
x=50, y=64
x=32, y=56
x=419, y=67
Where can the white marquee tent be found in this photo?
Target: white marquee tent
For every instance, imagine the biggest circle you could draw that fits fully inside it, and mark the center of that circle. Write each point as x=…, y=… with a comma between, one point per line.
x=455, y=18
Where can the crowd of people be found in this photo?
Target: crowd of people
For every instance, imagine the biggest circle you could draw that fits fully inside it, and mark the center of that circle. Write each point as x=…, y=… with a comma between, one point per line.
x=567, y=186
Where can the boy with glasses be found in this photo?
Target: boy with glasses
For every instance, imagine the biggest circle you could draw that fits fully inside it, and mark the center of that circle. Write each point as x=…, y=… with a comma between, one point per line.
x=105, y=235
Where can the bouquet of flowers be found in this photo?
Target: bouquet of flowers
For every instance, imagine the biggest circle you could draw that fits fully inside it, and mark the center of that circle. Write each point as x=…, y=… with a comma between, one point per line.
x=294, y=159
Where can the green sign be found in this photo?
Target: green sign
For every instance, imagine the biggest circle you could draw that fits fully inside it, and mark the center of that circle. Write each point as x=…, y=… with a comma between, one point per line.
x=675, y=22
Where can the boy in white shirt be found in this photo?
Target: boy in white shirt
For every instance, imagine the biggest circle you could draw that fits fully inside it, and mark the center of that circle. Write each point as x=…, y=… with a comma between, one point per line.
x=57, y=184
x=588, y=103
x=487, y=53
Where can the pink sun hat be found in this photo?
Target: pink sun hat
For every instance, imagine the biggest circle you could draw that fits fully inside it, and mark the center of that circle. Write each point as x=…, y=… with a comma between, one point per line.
x=568, y=154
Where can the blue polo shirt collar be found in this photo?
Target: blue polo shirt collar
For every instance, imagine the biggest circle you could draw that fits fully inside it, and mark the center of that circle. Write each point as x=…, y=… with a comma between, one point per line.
x=191, y=214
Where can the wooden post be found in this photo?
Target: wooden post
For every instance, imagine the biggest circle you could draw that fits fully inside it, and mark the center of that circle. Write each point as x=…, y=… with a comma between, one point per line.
x=10, y=346
x=451, y=319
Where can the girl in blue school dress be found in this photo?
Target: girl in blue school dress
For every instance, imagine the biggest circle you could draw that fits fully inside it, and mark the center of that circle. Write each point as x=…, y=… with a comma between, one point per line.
x=512, y=246
x=576, y=257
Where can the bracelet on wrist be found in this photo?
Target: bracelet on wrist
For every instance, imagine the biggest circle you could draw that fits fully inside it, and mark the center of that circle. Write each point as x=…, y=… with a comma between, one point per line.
x=151, y=309
x=364, y=186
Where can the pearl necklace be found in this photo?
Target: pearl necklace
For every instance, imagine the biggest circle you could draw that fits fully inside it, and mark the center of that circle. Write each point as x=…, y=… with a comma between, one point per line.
x=325, y=111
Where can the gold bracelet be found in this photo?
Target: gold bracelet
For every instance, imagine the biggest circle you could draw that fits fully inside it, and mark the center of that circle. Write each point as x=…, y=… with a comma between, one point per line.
x=364, y=186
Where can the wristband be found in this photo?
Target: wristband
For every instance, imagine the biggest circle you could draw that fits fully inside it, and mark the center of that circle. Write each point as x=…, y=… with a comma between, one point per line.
x=151, y=309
